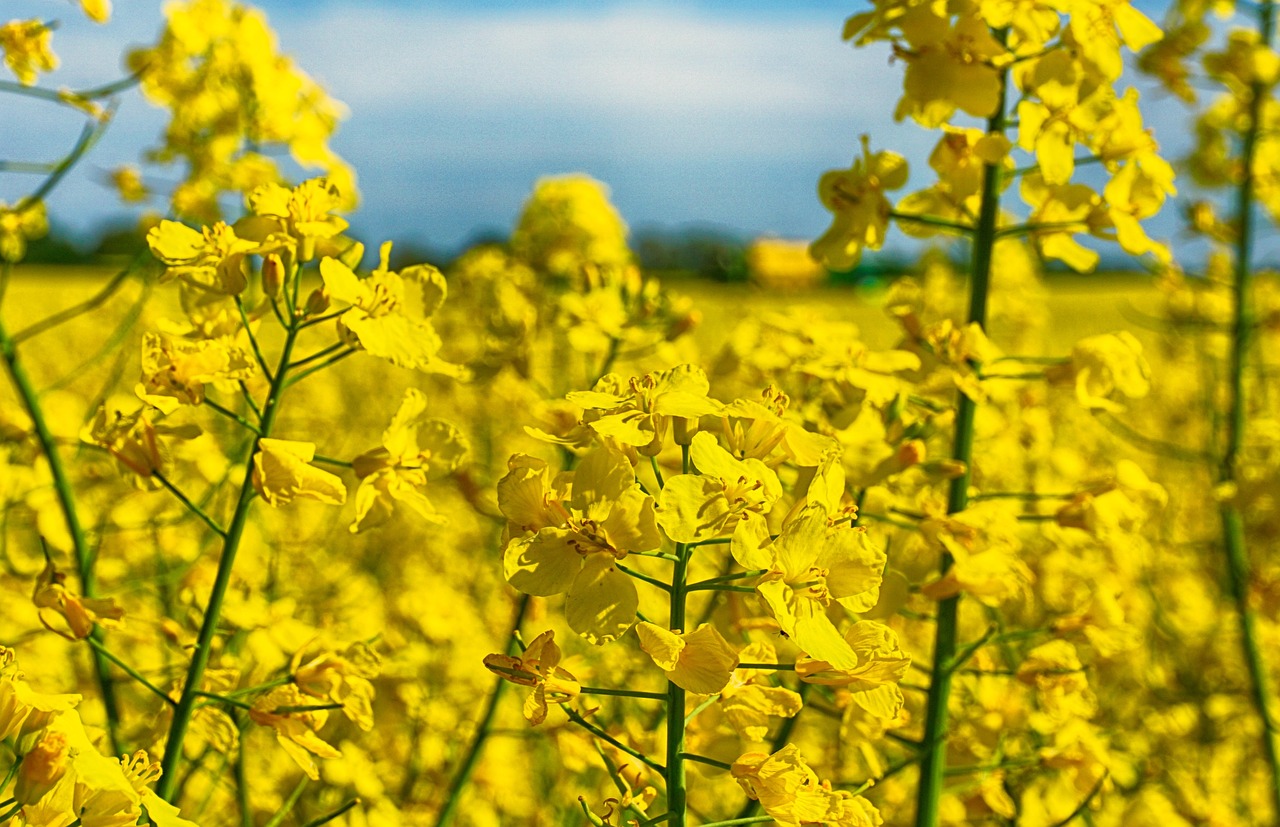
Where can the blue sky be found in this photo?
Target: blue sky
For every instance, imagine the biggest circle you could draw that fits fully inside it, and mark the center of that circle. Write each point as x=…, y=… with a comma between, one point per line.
x=719, y=113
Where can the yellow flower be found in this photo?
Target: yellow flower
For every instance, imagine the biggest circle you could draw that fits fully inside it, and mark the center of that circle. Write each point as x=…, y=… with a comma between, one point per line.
x=18, y=227
x=140, y=771
x=213, y=258
x=282, y=473
x=134, y=439
x=68, y=614
x=984, y=545
x=287, y=710
x=952, y=67
x=708, y=504
x=1105, y=366
x=1065, y=209
x=178, y=369
x=27, y=49
x=861, y=211
x=567, y=537
x=43, y=766
x=302, y=213
x=640, y=413
x=567, y=224
x=414, y=448
x=873, y=683
x=128, y=182
x=342, y=677
x=23, y=711
x=789, y=791
x=99, y=11
x=1054, y=670
x=387, y=319
x=538, y=666
x=700, y=662
x=811, y=564
x=748, y=701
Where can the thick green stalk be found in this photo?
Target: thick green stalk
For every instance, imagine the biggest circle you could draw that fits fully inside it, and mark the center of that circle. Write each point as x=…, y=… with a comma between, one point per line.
x=166, y=786
x=67, y=500
x=675, y=774
x=934, y=761
x=1233, y=529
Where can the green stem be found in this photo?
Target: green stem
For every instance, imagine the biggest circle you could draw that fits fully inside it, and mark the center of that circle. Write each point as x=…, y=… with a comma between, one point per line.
x=319, y=354
x=253, y=341
x=233, y=416
x=675, y=771
x=325, y=819
x=931, y=221
x=934, y=759
x=1233, y=528
x=609, y=739
x=130, y=671
x=186, y=705
x=728, y=578
x=472, y=757
x=623, y=693
x=702, y=759
x=289, y=803
x=652, y=581
x=191, y=506
x=333, y=360
x=71, y=515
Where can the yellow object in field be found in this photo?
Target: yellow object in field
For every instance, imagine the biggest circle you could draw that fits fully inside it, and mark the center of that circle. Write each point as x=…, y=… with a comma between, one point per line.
x=779, y=262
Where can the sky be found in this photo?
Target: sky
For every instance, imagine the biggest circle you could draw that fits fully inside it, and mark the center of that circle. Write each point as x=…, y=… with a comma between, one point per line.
x=704, y=112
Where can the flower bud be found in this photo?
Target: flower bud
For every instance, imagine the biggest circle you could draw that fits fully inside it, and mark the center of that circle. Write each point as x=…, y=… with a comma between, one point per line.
x=317, y=302
x=42, y=768
x=272, y=274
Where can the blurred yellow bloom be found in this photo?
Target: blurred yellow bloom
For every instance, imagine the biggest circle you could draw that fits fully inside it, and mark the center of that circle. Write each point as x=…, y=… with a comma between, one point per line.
x=282, y=473
x=984, y=545
x=287, y=710
x=69, y=614
x=18, y=227
x=414, y=448
x=539, y=667
x=28, y=49
x=700, y=662
x=128, y=182
x=1103, y=367
x=856, y=197
x=213, y=258
x=342, y=677
x=176, y=369
x=99, y=11
x=567, y=224
x=1054, y=670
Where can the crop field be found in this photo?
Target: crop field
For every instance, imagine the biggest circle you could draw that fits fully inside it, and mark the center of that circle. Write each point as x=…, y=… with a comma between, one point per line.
x=296, y=532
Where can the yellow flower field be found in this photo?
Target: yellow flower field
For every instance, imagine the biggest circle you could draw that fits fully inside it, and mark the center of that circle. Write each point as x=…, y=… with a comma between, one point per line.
x=296, y=536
